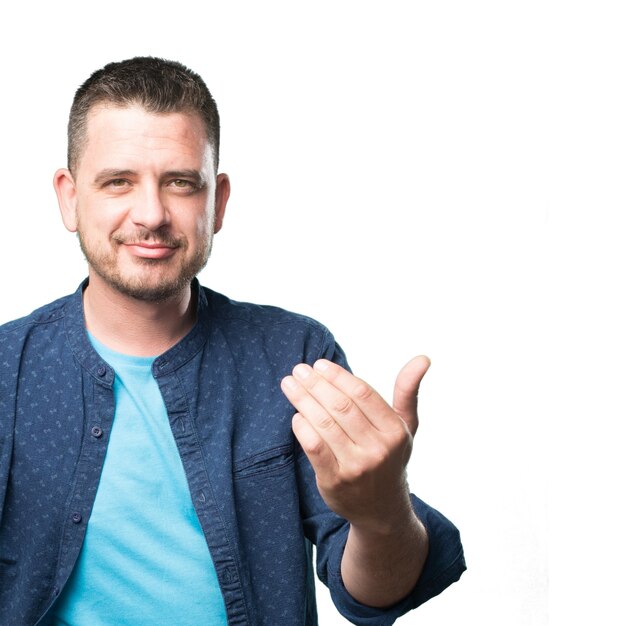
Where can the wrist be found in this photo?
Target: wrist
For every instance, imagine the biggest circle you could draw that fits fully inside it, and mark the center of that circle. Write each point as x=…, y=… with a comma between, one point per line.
x=393, y=517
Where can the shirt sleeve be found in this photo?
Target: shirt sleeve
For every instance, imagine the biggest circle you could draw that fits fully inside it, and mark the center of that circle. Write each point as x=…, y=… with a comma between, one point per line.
x=444, y=564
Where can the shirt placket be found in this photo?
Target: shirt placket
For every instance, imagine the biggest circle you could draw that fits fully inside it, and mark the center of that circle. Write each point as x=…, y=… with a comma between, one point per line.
x=99, y=408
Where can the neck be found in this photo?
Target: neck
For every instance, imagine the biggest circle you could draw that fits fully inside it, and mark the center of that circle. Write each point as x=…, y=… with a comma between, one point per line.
x=136, y=327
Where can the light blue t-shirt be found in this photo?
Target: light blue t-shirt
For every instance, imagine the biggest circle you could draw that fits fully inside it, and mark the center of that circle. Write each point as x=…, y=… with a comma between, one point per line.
x=144, y=559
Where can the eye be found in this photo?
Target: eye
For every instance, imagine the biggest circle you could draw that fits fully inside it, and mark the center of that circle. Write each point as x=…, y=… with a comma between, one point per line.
x=183, y=186
x=181, y=183
x=117, y=183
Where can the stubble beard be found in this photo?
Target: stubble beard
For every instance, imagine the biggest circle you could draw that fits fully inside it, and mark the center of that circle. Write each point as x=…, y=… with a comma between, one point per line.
x=164, y=286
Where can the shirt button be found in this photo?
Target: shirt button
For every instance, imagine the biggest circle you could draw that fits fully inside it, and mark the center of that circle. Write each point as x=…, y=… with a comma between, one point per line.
x=96, y=431
x=102, y=371
x=55, y=591
x=77, y=517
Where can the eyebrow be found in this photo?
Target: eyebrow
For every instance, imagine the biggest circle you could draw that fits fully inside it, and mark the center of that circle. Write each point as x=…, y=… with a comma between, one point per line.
x=194, y=175
x=109, y=174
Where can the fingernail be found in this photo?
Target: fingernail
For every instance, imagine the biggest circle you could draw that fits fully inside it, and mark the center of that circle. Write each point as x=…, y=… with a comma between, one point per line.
x=289, y=383
x=321, y=365
x=301, y=371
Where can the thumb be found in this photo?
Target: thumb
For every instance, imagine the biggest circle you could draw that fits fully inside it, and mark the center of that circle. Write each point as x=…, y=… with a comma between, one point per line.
x=406, y=388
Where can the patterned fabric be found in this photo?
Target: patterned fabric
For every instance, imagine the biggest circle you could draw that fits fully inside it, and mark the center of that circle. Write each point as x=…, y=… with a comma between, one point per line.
x=252, y=487
x=144, y=559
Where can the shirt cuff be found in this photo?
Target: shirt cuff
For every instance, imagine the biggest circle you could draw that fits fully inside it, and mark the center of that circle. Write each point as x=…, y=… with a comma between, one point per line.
x=444, y=565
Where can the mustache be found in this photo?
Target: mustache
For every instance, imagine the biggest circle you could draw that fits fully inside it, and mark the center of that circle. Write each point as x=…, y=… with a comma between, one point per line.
x=149, y=237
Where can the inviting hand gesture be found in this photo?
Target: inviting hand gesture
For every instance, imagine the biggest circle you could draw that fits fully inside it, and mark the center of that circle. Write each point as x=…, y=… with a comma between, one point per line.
x=359, y=446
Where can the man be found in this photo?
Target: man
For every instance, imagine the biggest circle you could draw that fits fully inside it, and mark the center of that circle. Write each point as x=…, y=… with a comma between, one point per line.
x=152, y=470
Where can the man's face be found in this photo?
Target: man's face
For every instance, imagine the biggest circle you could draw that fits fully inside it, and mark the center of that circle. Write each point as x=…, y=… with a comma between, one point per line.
x=143, y=200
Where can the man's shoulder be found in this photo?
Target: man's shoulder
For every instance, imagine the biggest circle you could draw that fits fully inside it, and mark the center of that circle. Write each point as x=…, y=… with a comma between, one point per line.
x=47, y=314
x=262, y=316
x=272, y=329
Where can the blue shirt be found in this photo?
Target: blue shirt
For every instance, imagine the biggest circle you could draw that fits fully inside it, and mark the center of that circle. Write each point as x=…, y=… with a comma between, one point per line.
x=251, y=485
x=144, y=559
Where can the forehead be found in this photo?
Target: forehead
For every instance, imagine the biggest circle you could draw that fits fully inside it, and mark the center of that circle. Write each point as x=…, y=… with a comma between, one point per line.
x=132, y=133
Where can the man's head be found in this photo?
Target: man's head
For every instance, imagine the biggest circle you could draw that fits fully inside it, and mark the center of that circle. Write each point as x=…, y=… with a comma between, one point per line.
x=142, y=190
x=157, y=85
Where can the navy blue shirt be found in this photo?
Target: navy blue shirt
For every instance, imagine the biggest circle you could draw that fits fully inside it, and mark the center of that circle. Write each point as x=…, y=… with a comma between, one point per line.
x=251, y=485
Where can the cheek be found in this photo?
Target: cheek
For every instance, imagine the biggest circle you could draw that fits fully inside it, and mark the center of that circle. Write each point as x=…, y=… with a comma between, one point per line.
x=195, y=217
x=194, y=230
x=203, y=225
x=98, y=220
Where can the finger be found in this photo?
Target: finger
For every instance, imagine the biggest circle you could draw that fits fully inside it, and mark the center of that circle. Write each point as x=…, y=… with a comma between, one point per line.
x=337, y=404
x=319, y=419
x=319, y=454
x=369, y=402
x=406, y=390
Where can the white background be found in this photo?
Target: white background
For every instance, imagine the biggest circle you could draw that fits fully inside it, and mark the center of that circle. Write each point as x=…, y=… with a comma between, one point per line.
x=439, y=177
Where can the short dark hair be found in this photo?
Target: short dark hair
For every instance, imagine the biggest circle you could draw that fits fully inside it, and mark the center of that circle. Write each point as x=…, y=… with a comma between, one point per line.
x=158, y=85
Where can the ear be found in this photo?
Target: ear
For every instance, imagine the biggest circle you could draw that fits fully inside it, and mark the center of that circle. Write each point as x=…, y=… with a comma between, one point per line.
x=65, y=188
x=222, y=193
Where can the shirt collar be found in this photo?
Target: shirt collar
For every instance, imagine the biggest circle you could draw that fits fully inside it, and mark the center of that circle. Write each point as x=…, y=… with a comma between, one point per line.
x=165, y=363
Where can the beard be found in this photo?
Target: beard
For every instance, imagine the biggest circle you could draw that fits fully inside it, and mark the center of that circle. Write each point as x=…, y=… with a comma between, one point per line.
x=149, y=280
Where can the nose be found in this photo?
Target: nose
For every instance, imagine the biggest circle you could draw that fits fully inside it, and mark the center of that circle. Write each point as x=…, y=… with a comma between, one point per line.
x=149, y=209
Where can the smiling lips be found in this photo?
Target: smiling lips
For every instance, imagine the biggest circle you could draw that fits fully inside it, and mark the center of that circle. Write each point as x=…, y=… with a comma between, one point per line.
x=150, y=250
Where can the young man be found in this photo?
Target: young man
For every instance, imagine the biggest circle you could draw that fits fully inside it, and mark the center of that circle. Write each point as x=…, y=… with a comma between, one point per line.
x=152, y=470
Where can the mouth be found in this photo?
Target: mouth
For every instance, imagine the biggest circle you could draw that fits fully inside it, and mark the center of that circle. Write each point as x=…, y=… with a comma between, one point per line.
x=150, y=250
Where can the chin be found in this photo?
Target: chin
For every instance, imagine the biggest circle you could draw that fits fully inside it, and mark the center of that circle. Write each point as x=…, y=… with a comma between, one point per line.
x=150, y=290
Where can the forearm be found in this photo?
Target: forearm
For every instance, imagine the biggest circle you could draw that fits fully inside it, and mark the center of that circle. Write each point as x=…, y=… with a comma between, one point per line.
x=381, y=566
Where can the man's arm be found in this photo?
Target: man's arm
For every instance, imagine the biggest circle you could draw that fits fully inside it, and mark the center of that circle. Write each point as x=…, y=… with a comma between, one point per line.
x=359, y=446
